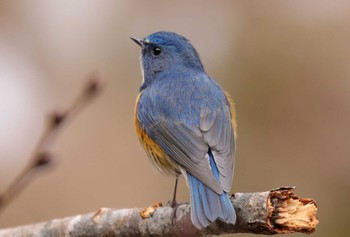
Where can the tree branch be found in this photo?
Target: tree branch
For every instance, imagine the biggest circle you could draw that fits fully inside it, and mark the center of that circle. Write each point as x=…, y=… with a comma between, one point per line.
x=41, y=156
x=277, y=211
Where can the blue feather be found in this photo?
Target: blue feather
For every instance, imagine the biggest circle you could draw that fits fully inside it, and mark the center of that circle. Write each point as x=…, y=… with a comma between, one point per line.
x=207, y=206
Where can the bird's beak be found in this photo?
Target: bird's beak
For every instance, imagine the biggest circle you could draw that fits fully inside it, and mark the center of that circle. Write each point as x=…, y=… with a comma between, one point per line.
x=138, y=41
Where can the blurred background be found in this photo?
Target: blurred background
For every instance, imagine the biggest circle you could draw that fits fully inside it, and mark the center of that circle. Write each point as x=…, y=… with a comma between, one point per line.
x=286, y=64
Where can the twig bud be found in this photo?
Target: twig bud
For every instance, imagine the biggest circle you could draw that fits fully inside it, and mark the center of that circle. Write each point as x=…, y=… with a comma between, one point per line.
x=56, y=118
x=44, y=159
x=93, y=86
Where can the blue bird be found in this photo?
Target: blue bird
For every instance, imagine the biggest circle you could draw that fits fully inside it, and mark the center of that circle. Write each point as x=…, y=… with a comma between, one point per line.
x=186, y=124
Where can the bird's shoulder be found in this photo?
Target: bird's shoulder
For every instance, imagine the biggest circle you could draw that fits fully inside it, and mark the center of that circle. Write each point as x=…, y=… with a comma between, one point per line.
x=185, y=88
x=174, y=97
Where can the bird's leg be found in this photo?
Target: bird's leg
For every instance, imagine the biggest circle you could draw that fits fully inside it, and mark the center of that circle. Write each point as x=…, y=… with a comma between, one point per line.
x=173, y=202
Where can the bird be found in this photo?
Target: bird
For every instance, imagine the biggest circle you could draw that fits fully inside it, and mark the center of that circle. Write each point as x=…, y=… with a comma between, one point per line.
x=186, y=124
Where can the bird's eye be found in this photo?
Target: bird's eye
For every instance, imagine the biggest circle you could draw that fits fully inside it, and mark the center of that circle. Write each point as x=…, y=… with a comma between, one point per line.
x=156, y=51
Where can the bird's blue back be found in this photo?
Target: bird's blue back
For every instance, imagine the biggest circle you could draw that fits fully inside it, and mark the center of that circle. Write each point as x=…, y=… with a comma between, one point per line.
x=180, y=95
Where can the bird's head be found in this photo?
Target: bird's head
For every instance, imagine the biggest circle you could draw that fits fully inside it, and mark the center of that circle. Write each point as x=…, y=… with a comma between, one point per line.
x=163, y=51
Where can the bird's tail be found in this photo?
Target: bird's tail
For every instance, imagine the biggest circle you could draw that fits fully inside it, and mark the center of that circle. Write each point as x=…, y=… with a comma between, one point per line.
x=207, y=205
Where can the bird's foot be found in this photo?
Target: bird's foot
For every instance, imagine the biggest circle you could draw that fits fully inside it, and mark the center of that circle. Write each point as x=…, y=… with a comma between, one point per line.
x=174, y=205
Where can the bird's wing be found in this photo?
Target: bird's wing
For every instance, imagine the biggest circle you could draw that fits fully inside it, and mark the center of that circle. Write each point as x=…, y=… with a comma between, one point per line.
x=218, y=133
x=188, y=146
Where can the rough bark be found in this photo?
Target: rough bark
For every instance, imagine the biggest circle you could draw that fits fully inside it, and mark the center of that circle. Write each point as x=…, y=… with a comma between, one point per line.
x=273, y=212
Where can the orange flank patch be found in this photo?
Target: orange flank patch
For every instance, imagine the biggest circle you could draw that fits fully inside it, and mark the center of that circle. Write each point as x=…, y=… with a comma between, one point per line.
x=233, y=112
x=158, y=157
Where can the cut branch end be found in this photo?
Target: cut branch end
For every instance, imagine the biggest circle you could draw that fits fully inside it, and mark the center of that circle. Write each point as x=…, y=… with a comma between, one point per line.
x=290, y=213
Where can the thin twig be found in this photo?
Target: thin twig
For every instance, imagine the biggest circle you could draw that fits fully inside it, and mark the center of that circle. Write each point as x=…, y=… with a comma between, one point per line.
x=41, y=155
x=277, y=211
